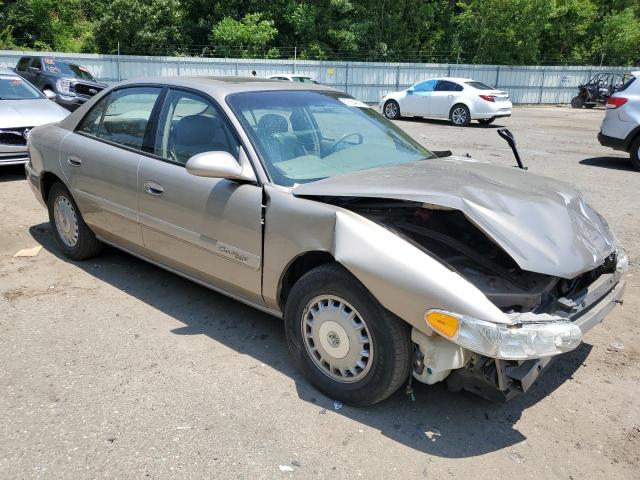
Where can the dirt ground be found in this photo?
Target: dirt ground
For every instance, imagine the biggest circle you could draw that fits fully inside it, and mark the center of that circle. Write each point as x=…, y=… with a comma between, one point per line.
x=113, y=368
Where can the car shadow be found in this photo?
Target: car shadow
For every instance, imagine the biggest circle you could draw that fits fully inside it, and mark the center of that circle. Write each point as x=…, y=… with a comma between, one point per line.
x=11, y=173
x=614, y=163
x=443, y=122
x=438, y=422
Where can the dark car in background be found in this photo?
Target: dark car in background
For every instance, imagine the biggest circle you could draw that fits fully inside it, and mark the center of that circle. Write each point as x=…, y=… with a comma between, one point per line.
x=67, y=84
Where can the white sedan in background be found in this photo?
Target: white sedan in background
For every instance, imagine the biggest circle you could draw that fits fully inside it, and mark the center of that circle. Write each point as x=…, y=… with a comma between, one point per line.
x=287, y=77
x=458, y=99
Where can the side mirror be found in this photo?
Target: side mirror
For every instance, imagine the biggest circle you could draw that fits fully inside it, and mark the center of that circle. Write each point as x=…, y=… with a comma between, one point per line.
x=218, y=165
x=34, y=71
x=410, y=91
x=49, y=94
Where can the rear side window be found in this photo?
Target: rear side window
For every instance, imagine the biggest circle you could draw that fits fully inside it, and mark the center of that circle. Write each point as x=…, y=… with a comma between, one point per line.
x=447, y=86
x=479, y=86
x=23, y=63
x=127, y=116
x=91, y=122
x=37, y=63
x=627, y=84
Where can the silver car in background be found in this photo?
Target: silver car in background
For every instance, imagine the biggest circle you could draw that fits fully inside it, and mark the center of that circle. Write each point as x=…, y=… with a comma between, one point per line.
x=621, y=124
x=384, y=261
x=22, y=107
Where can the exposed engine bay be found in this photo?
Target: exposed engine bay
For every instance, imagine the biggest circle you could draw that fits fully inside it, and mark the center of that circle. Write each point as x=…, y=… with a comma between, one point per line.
x=451, y=238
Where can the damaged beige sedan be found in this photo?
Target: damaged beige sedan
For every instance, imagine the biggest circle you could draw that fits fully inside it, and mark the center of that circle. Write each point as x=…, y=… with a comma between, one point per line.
x=385, y=261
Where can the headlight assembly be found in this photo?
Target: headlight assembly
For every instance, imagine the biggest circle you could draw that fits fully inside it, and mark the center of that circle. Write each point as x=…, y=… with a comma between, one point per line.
x=64, y=86
x=518, y=341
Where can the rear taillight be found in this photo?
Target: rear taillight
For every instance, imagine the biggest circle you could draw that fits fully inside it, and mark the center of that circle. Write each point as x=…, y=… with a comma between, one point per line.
x=488, y=98
x=615, y=102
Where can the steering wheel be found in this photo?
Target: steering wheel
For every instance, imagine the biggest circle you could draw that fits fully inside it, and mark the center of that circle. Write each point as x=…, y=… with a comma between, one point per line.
x=335, y=144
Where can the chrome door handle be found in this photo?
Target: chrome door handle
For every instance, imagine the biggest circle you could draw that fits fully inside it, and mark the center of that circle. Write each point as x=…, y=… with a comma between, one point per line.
x=152, y=188
x=450, y=96
x=74, y=161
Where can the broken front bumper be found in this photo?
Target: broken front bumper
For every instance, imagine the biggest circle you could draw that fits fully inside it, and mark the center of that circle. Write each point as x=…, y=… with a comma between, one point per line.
x=502, y=379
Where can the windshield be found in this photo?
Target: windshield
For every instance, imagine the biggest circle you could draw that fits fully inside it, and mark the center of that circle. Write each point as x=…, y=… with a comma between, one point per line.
x=67, y=69
x=303, y=136
x=479, y=85
x=13, y=87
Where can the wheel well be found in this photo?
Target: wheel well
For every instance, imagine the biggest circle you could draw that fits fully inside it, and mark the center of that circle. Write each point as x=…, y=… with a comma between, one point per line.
x=46, y=182
x=459, y=104
x=297, y=268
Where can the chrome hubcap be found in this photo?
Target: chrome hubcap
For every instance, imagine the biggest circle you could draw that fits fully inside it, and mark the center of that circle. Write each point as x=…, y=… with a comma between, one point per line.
x=337, y=338
x=391, y=110
x=66, y=221
x=459, y=116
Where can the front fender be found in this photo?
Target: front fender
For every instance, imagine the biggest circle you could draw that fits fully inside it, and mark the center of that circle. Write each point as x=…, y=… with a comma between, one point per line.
x=403, y=278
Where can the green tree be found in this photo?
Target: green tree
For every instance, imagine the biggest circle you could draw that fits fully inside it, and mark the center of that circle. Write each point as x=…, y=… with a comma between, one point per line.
x=247, y=37
x=620, y=38
x=141, y=27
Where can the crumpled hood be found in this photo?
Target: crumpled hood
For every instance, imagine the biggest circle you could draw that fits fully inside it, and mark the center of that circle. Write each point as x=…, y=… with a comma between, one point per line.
x=30, y=113
x=544, y=224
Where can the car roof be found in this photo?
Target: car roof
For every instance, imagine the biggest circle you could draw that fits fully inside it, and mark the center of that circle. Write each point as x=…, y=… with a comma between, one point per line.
x=228, y=85
x=6, y=71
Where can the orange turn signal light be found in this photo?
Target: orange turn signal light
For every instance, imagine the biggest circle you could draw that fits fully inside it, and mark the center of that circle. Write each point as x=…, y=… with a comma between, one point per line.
x=442, y=323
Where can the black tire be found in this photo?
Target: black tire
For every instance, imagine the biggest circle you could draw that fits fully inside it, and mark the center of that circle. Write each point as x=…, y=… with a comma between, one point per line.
x=87, y=245
x=460, y=116
x=389, y=337
x=577, y=102
x=391, y=110
x=634, y=153
x=486, y=121
x=589, y=105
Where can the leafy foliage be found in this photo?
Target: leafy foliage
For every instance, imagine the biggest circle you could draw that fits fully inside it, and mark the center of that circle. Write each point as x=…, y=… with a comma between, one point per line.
x=486, y=31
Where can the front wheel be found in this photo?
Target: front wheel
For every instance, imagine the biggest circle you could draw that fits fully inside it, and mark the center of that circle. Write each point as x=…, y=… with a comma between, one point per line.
x=343, y=340
x=460, y=116
x=391, y=110
x=72, y=235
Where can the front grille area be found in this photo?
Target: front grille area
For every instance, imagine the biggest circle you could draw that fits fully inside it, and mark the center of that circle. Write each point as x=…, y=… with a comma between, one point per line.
x=87, y=90
x=13, y=137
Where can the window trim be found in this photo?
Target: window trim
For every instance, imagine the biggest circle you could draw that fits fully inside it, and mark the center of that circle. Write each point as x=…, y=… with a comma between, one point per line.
x=108, y=94
x=223, y=117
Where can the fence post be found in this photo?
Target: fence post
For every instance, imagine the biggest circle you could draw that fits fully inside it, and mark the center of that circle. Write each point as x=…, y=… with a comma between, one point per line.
x=541, y=85
x=178, y=65
x=295, y=57
x=398, y=78
x=118, y=62
x=346, y=78
x=497, y=76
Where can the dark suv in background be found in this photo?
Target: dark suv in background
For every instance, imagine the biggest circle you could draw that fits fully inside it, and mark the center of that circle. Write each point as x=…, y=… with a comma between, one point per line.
x=67, y=84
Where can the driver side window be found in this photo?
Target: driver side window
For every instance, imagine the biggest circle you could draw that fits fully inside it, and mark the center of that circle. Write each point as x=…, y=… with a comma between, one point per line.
x=190, y=124
x=427, y=86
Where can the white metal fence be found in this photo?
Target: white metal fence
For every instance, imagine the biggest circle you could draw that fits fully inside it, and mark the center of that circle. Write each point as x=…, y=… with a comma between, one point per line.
x=367, y=81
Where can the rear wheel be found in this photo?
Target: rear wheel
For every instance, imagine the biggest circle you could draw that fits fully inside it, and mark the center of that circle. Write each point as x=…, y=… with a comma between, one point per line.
x=577, y=102
x=72, y=235
x=589, y=105
x=460, y=116
x=486, y=121
x=635, y=153
x=343, y=340
x=391, y=110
